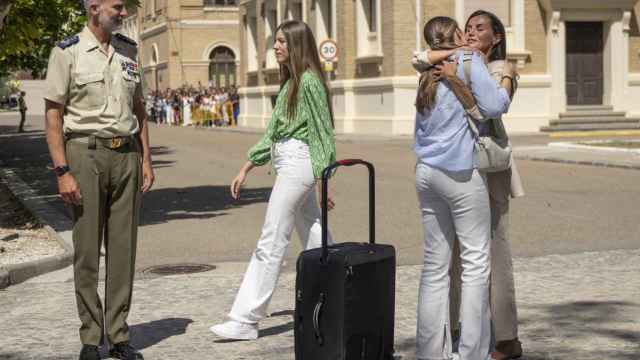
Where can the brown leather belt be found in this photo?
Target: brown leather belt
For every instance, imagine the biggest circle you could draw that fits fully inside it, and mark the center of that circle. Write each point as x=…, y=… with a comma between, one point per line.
x=91, y=140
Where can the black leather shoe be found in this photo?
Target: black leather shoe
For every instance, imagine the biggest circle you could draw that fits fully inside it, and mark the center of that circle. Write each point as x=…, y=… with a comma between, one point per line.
x=508, y=349
x=89, y=352
x=124, y=351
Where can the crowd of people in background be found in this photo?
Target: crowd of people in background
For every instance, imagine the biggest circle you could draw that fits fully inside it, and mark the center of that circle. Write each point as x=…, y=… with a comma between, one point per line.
x=191, y=106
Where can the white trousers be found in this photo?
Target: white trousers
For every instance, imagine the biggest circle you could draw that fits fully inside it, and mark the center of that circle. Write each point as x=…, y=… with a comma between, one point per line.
x=292, y=203
x=454, y=204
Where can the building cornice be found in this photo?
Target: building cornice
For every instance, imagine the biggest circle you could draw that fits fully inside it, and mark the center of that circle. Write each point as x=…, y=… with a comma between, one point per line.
x=195, y=63
x=206, y=23
x=154, y=30
x=220, y=9
x=160, y=65
x=519, y=56
x=559, y=5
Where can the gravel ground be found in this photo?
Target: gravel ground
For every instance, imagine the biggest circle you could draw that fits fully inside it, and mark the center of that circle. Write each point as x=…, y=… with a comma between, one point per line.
x=22, y=238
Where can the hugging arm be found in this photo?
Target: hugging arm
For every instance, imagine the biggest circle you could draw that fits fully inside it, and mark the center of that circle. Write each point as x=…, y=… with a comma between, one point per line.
x=425, y=60
x=460, y=89
x=492, y=100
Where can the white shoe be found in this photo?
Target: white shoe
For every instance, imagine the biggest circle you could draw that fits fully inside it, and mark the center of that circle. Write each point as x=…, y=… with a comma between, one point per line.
x=236, y=330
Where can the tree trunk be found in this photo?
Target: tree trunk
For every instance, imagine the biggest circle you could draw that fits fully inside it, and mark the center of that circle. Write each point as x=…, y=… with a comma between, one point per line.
x=5, y=6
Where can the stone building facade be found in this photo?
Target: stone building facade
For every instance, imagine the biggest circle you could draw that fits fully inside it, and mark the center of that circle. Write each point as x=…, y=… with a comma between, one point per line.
x=189, y=42
x=577, y=58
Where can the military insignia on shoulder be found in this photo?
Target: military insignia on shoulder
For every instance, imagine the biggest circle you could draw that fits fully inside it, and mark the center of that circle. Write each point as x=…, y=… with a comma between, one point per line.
x=71, y=40
x=126, y=39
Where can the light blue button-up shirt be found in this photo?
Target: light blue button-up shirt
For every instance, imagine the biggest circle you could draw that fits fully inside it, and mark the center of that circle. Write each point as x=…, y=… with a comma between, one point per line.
x=443, y=138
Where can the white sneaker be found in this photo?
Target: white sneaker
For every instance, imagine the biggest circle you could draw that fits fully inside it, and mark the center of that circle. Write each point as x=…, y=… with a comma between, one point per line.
x=236, y=330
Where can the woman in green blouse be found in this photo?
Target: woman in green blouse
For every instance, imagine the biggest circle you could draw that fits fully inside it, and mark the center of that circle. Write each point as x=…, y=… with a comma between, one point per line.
x=299, y=141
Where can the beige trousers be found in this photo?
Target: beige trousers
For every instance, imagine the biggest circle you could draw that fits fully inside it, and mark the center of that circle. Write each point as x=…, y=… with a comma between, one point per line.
x=504, y=314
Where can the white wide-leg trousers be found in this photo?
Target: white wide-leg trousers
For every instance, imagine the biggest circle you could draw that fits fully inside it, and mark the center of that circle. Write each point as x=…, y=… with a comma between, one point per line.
x=454, y=204
x=292, y=203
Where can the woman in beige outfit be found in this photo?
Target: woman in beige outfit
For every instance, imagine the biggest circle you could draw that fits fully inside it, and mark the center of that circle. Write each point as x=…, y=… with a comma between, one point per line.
x=485, y=33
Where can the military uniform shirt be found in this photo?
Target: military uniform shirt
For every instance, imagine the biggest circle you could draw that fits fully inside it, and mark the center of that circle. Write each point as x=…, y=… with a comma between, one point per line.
x=98, y=88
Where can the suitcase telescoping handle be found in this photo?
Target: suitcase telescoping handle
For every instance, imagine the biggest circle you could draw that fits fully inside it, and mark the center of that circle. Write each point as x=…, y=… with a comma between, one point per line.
x=372, y=199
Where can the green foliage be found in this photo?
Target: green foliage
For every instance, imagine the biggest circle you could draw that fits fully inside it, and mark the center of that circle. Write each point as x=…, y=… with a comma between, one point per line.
x=33, y=27
x=31, y=30
x=5, y=88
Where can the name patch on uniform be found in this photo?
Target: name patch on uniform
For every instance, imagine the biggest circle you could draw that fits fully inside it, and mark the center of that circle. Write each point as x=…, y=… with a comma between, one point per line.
x=130, y=70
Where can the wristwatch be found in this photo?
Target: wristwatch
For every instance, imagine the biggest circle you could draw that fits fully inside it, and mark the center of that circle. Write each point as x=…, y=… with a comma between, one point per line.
x=61, y=170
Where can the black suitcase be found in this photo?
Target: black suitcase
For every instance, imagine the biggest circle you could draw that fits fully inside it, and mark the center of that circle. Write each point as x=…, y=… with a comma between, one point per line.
x=345, y=293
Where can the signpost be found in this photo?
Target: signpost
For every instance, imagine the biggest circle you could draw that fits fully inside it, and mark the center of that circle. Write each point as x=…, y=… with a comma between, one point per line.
x=329, y=53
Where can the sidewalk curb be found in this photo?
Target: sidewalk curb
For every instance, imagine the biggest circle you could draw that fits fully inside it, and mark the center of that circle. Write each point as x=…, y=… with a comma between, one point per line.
x=573, y=145
x=558, y=160
x=51, y=220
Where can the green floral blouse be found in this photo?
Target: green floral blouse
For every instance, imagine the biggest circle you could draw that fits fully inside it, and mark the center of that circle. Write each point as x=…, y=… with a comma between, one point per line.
x=312, y=125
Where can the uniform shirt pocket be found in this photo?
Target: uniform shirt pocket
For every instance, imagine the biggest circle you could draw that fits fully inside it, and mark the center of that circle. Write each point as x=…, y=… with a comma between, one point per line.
x=129, y=85
x=91, y=90
x=130, y=82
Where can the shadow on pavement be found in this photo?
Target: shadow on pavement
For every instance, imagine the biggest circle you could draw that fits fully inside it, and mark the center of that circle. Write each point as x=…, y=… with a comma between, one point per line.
x=28, y=155
x=151, y=333
x=276, y=330
x=198, y=202
x=7, y=129
x=283, y=313
x=158, y=164
x=161, y=150
x=570, y=326
x=574, y=324
x=405, y=347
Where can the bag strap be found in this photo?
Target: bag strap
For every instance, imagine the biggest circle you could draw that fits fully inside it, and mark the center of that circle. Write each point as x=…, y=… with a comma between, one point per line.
x=466, y=63
x=472, y=125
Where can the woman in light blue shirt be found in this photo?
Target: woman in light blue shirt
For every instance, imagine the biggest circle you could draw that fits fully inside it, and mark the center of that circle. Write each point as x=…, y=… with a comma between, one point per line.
x=454, y=201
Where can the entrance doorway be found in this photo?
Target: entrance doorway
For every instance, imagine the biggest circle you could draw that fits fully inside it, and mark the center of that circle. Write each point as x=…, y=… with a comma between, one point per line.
x=585, y=71
x=222, y=67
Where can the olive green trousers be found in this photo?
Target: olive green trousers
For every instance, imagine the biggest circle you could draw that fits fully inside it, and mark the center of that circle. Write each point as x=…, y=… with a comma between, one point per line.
x=109, y=181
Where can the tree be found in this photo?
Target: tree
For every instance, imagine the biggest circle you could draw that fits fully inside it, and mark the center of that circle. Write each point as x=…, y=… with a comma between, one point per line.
x=5, y=6
x=32, y=28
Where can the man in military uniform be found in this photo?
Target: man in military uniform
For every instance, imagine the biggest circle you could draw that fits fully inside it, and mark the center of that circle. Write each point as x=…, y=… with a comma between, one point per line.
x=22, y=106
x=98, y=138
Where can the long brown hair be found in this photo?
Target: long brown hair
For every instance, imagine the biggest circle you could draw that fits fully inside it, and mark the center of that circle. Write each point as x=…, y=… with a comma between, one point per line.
x=439, y=33
x=303, y=56
x=499, y=51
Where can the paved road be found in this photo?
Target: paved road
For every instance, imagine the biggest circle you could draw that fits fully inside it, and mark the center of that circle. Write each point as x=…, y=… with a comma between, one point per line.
x=572, y=307
x=190, y=217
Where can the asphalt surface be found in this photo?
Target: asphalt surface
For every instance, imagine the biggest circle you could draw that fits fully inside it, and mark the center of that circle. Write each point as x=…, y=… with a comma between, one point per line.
x=189, y=215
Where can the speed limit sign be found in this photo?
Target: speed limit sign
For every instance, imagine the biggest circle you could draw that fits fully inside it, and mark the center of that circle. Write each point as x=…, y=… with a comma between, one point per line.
x=329, y=50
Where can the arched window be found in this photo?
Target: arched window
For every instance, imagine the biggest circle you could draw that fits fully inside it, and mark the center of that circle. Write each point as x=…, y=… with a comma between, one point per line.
x=222, y=67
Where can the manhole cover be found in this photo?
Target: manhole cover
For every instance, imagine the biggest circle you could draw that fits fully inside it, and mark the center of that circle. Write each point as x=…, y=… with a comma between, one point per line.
x=177, y=269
